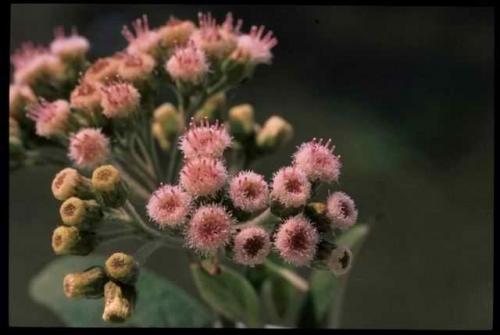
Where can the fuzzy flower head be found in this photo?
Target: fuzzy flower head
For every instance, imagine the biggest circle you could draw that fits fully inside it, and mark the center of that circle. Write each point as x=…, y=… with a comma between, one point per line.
x=205, y=140
x=318, y=162
x=119, y=100
x=217, y=42
x=209, y=228
x=169, y=206
x=89, y=148
x=256, y=46
x=51, y=118
x=249, y=192
x=102, y=70
x=203, y=176
x=144, y=40
x=20, y=97
x=73, y=46
x=291, y=187
x=86, y=96
x=176, y=32
x=135, y=67
x=341, y=209
x=32, y=62
x=187, y=64
x=251, y=246
x=296, y=240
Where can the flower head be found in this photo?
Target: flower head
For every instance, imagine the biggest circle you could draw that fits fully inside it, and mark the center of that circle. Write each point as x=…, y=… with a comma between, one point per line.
x=341, y=209
x=20, y=97
x=169, y=206
x=89, y=147
x=67, y=183
x=51, y=118
x=119, y=100
x=316, y=159
x=209, y=228
x=187, y=64
x=86, y=96
x=144, y=40
x=32, y=62
x=205, y=140
x=248, y=191
x=296, y=240
x=102, y=70
x=69, y=47
x=176, y=32
x=291, y=187
x=251, y=246
x=135, y=67
x=256, y=46
x=339, y=260
x=203, y=176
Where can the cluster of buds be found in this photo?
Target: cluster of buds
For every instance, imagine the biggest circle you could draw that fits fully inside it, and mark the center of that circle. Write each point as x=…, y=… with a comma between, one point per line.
x=123, y=144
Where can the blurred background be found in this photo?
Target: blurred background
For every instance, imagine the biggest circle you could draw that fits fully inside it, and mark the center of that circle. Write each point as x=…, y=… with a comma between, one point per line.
x=405, y=93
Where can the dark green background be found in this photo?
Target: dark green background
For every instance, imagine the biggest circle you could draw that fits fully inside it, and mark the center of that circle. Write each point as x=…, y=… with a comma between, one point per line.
x=405, y=93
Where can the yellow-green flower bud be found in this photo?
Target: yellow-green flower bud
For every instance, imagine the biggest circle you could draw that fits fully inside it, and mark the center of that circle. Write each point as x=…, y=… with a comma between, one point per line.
x=87, y=284
x=122, y=267
x=108, y=184
x=68, y=183
x=241, y=121
x=212, y=109
x=14, y=129
x=169, y=119
x=72, y=241
x=119, y=301
x=275, y=133
x=84, y=214
x=158, y=133
x=16, y=147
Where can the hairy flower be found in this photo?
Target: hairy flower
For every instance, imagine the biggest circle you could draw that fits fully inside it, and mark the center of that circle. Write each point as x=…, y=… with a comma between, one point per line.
x=88, y=148
x=119, y=100
x=256, y=46
x=51, y=118
x=176, y=32
x=20, y=97
x=102, y=70
x=68, y=183
x=69, y=47
x=291, y=187
x=205, y=140
x=318, y=162
x=135, y=67
x=169, y=206
x=144, y=40
x=203, y=176
x=86, y=96
x=251, y=246
x=296, y=240
x=248, y=191
x=187, y=64
x=209, y=228
x=341, y=209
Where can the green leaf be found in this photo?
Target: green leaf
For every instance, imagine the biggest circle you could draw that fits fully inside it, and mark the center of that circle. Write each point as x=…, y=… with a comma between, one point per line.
x=230, y=294
x=325, y=288
x=159, y=302
x=281, y=301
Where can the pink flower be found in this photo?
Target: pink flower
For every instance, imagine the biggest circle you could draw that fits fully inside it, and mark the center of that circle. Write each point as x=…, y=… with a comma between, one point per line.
x=32, y=62
x=69, y=47
x=296, y=240
x=51, y=118
x=209, y=228
x=119, y=100
x=341, y=209
x=291, y=187
x=318, y=162
x=217, y=42
x=256, y=46
x=187, y=64
x=249, y=192
x=205, y=140
x=169, y=206
x=86, y=96
x=251, y=246
x=203, y=176
x=135, y=67
x=20, y=97
x=176, y=32
x=89, y=148
x=103, y=70
x=144, y=40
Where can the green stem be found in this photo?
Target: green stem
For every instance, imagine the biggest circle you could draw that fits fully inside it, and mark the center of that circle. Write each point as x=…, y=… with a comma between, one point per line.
x=297, y=281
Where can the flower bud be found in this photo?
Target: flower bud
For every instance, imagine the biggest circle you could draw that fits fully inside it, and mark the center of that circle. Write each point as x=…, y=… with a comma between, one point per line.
x=16, y=148
x=241, y=121
x=175, y=32
x=212, y=109
x=157, y=131
x=339, y=260
x=87, y=284
x=84, y=214
x=123, y=268
x=119, y=301
x=68, y=183
x=71, y=241
x=167, y=116
x=107, y=183
x=316, y=212
x=20, y=97
x=275, y=133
